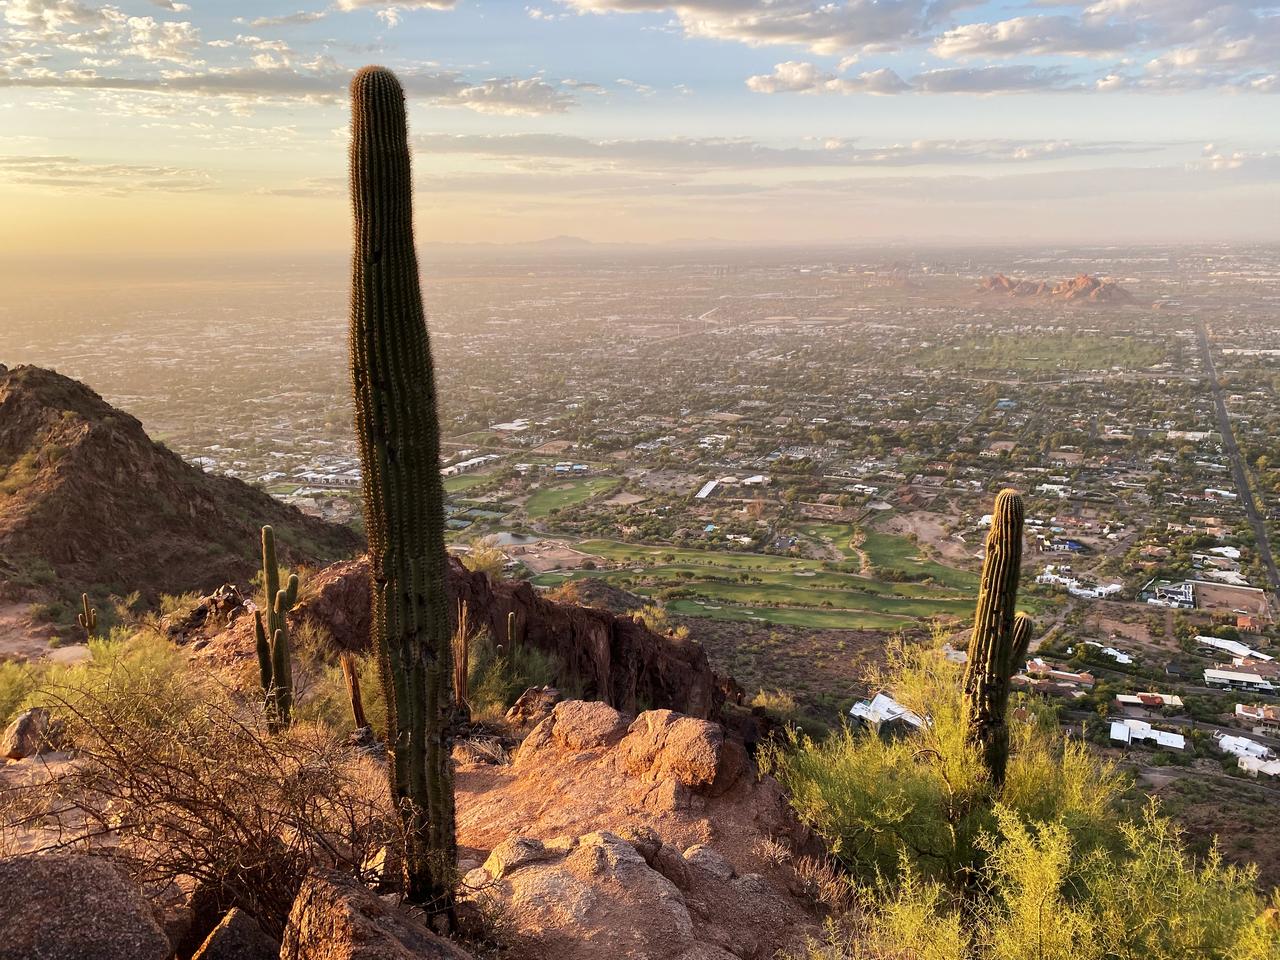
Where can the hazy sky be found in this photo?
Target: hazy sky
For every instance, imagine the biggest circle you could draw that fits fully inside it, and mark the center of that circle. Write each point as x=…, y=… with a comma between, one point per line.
x=210, y=125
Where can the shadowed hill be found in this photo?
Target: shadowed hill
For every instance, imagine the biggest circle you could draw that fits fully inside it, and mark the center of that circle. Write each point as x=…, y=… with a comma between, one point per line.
x=89, y=502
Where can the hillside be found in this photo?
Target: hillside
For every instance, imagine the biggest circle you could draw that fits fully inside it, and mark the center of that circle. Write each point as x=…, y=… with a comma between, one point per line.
x=89, y=502
x=1079, y=289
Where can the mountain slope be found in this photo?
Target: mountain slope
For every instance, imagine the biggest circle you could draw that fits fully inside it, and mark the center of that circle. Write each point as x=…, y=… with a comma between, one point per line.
x=1080, y=289
x=89, y=502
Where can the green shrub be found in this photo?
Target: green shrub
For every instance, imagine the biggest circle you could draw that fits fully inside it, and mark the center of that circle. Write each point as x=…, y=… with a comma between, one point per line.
x=1047, y=868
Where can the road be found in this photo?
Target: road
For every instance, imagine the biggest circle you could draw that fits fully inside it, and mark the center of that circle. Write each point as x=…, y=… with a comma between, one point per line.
x=1237, y=462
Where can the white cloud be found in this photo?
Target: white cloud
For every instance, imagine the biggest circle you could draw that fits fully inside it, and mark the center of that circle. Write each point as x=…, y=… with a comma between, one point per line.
x=694, y=155
x=109, y=179
x=403, y=4
x=824, y=26
x=1038, y=35
x=802, y=77
x=318, y=80
x=796, y=76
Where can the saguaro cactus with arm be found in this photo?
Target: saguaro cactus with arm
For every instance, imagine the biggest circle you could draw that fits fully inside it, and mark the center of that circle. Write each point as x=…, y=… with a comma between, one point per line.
x=399, y=439
x=275, y=667
x=1000, y=638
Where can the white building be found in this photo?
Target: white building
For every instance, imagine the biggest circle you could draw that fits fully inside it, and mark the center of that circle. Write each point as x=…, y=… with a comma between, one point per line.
x=1243, y=747
x=884, y=711
x=1233, y=647
x=1233, y=680
x=1130, y=731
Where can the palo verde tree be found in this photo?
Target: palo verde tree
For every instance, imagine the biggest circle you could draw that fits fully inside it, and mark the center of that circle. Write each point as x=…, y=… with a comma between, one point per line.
x=398, y=433
x=1000, y=636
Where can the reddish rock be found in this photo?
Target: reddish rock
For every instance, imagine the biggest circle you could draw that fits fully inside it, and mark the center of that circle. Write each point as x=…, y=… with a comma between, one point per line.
x=662, y=745
x=74, y=907
x=25, y=737
x=334, y=918
x=616, y=660
x=237, y=937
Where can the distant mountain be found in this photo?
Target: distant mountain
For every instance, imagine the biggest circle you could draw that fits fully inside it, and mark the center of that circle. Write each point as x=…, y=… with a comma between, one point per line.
x=1081, y=289
x=89, y=502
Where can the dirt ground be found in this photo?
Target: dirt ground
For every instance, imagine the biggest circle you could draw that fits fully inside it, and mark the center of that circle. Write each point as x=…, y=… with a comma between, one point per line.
x=549, y=555
x=1225, y=599
x=21, y=638
x=929, y=530
x=1240, y=813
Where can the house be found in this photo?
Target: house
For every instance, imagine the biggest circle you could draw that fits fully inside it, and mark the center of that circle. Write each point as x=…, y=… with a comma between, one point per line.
x=1147, y=703
x=1254, y=766
x=1234, y=680
x=1243, y=747
x=1264, y=716
x=884, y=714
x=1041, y=668
x=1130, y=731
x=1233, y=647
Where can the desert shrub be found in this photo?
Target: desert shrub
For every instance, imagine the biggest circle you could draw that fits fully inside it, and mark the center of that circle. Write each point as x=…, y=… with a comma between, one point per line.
x=495, y=677
x=1050, y=867
x=777, y=703
x=323, y=698
x=17, y=682
x=182, y=780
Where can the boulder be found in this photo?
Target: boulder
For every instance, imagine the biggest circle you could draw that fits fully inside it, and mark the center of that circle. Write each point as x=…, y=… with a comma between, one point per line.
x=574, y=725
x=25, y=737
x=74, y=907
x=238, y=937
x=663, y=745
x=533, y=706
x=334, y=918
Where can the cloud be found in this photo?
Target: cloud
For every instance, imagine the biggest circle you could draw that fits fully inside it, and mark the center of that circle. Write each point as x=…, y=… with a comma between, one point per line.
x=1039, y=35
x=802, y=77
x=703, y=154
x=349, y=5
x=824, y=26
x=110, y=179
x=321, y=80
x=796, y=76
x=285, y=20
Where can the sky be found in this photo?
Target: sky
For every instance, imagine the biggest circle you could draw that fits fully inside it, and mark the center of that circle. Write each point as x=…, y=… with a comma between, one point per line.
x=220, y=126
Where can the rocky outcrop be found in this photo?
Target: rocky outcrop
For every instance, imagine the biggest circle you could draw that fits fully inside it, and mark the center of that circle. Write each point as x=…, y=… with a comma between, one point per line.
x=532, y=706
x=98, y=502
x=612, y=658
x=610, y=836
x=237, y=937
x=1082, y=288
x=74, y=907
x=26, y=736
x=334, y=918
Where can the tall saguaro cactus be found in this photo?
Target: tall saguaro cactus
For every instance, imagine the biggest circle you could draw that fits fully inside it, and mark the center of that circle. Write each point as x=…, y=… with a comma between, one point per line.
x=1000, y=637
x=399, y=438
x=275, y=669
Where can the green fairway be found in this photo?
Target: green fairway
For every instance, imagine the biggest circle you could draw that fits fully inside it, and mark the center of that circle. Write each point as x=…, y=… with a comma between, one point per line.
x=748, y=586
x=813, y=619
x=889, y=552
x=465, y=481
x=839, y=535
x=567, y=494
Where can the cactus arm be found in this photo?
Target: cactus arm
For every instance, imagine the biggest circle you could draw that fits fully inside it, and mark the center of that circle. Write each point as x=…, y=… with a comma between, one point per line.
x=264, y=652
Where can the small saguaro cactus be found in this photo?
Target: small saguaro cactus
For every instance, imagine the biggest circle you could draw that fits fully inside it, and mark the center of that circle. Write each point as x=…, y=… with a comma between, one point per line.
x=398, y=432
x=1000, y=637
x=88, y=619
x=275, y=669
